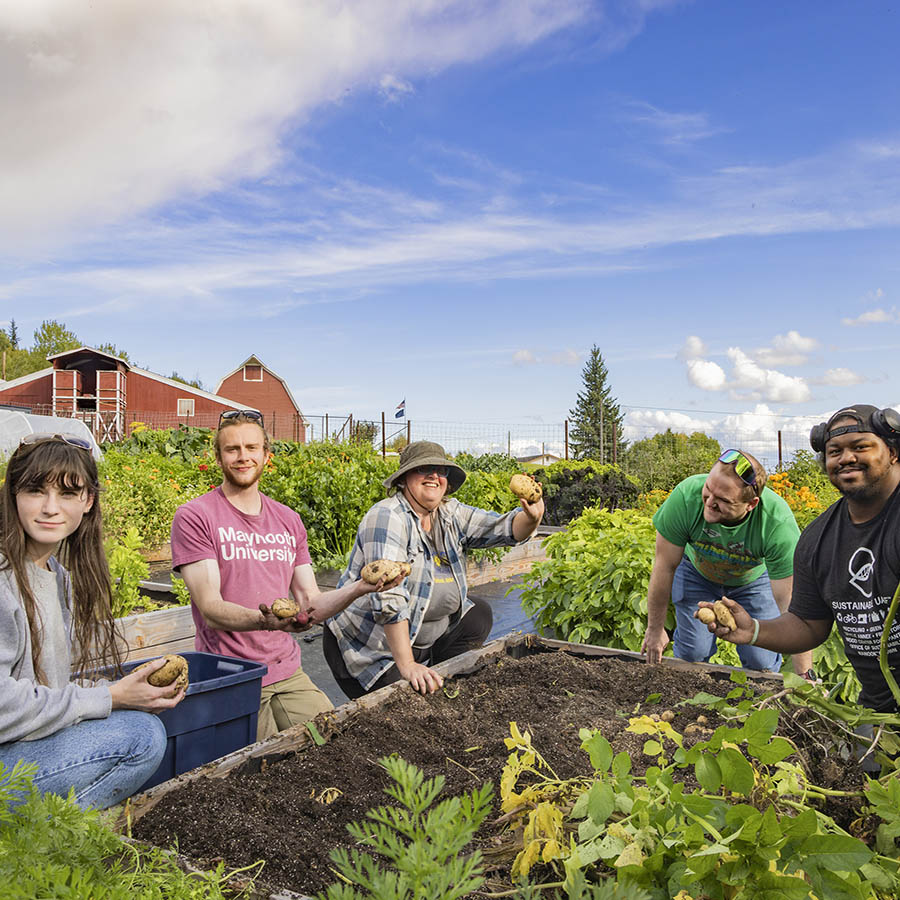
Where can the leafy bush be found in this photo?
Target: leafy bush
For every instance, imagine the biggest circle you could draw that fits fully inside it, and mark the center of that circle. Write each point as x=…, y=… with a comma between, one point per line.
x=572, y=486
x=488, y=490
x=592, y=588
x=331, y=486
x=488, y=462
x=141, y=493
x=661, y=461
x=127, y=569
x=184, y=442
x=51, y=848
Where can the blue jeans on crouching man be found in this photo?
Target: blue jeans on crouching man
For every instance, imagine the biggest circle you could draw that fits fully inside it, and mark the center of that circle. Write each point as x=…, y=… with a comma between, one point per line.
x=105, y=760
x=692, y=640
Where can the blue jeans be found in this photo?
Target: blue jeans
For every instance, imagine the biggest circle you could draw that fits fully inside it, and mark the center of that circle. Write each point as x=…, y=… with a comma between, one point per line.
x=692, y=640
x=105, y=760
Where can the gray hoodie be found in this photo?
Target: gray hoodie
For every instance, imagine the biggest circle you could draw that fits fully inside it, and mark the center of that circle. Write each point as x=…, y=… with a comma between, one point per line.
x=29, y=710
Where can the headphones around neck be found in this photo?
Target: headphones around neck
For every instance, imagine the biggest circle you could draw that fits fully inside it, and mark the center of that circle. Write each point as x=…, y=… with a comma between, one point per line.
x=883, y=422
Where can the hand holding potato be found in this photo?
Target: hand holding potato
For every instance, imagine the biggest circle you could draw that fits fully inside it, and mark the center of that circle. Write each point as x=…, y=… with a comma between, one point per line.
x=726, y=619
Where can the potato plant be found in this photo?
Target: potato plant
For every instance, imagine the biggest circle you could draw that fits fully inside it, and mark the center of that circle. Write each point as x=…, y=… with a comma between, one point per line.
x=752, y=828
x=592, y=588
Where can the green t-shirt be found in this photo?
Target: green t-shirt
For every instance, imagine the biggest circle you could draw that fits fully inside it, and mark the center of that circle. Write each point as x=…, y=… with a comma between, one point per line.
x=730, y=554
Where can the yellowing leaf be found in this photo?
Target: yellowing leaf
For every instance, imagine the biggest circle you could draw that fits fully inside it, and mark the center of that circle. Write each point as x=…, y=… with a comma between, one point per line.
x=630, y=856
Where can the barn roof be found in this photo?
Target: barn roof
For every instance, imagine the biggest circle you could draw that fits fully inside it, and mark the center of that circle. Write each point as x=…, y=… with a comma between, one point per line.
x=87, y=352
x=254, y=360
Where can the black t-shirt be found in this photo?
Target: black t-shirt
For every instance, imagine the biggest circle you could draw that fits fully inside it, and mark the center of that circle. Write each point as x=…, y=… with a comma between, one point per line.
x=848, y=573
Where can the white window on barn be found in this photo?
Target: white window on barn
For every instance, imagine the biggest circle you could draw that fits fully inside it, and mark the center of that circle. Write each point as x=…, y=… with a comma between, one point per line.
x=185, y=406
x=253, y=373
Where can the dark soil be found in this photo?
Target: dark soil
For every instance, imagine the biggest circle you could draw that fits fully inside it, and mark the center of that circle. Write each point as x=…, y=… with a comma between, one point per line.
x=279, y=814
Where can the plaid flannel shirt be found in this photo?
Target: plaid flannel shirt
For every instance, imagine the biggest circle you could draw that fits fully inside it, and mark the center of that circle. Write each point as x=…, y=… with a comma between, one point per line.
x=391, y=530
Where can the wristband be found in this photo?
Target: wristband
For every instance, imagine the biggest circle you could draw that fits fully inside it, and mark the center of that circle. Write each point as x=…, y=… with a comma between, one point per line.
x=755, y=632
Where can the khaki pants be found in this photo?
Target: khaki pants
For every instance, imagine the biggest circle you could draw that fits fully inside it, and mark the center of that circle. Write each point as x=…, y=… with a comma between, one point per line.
x=291, y=701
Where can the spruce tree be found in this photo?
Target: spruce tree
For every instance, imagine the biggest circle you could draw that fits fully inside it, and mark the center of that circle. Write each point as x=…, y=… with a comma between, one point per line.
x=596, y=414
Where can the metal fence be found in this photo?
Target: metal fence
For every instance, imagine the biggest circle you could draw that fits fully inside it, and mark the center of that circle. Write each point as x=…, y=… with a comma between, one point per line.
x=772, y=439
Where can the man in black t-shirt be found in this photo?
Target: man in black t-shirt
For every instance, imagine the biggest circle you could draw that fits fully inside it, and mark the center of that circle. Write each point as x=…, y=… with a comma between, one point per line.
x=847, y=562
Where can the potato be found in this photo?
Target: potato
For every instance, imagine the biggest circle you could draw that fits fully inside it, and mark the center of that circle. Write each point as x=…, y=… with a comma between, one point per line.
x=723, y=614
x=667, y=715
x=175, y=670
x=285, y=607
x=706, y=615
x=388, y=569
x=526, y=487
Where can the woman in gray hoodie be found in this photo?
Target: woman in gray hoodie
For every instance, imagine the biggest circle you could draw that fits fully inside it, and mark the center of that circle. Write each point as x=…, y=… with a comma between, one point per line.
x=99, y=738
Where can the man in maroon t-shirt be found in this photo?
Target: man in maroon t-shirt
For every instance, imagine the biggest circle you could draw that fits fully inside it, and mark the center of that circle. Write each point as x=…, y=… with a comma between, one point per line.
x=238, y=551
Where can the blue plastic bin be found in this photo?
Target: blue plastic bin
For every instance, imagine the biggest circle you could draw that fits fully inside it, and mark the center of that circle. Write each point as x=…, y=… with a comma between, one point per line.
x=217, y=715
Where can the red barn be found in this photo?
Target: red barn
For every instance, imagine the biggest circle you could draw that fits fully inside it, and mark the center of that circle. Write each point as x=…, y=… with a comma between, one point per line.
x=109, y=394
x=258, y=387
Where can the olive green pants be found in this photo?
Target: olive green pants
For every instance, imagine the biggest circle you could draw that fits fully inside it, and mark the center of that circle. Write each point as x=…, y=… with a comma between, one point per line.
x=291, y=701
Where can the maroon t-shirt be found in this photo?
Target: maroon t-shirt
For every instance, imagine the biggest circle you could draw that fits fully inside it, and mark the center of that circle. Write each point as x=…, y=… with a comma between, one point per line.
x=256, y=556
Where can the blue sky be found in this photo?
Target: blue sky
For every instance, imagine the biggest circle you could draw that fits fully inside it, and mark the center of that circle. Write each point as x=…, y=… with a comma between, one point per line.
x=452, y=202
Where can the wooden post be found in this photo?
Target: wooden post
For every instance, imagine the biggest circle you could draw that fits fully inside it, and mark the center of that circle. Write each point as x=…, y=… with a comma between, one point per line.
x=326, y=427
x=4, y=365
x=780, y=464
x=602, y=448
x=566, y=423
x=615, y=442
x=383, y=441
x=408, y=431
x=350, y=429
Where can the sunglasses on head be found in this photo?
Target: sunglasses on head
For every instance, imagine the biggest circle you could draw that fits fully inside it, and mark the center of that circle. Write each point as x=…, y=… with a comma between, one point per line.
x=241, y=413
x=743, y=468
x=70, y=439
x=441, y=471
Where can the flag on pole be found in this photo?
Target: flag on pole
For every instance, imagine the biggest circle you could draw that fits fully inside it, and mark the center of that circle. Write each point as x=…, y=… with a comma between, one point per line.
x=401, y=409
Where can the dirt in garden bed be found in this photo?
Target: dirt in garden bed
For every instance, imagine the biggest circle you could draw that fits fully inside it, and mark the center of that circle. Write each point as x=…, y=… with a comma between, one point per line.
x=279, y=814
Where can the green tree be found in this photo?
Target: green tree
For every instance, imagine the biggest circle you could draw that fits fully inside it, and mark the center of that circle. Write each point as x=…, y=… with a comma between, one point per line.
x=113, y=350
x=596, y=417
x=195, y=382
x=53, y=337
x=661, y=461
x=13, y=334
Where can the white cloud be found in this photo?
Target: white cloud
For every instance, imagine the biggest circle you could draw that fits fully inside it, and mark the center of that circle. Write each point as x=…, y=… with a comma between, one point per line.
x=147, y=101
x=841, y=376
x=524, y=358
x=693, y=348
x=394, y=89
x=874, y=317
x=706, y=375
x=565, y=358
x=767, y=384
x=791, y=349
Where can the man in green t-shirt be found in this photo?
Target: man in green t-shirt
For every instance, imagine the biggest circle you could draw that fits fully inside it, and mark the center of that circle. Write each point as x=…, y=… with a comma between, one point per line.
x=721, y=534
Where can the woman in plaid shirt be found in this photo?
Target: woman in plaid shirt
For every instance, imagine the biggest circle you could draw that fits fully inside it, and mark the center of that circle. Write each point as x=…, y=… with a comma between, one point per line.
x=428, y=618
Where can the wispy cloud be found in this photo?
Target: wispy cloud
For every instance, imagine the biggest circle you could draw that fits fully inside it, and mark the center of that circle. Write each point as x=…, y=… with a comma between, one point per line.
x=673, y=128
x=567, y=357
x=874, y=317
x=205, y=91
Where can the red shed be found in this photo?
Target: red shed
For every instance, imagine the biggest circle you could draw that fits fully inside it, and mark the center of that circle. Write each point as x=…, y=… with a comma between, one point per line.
x=109, y=394
x=260, y=388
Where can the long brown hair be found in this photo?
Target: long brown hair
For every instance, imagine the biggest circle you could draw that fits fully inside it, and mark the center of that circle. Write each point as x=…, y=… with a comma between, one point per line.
x=53, y=461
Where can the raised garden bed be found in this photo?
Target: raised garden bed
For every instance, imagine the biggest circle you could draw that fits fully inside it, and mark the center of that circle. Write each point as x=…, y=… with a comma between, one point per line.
x=288, y=801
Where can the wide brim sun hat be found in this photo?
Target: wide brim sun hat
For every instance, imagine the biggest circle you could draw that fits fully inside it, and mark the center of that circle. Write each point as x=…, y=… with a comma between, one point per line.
x=426, y=453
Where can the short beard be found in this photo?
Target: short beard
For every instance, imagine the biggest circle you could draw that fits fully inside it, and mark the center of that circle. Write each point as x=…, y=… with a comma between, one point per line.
x=241, y=484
